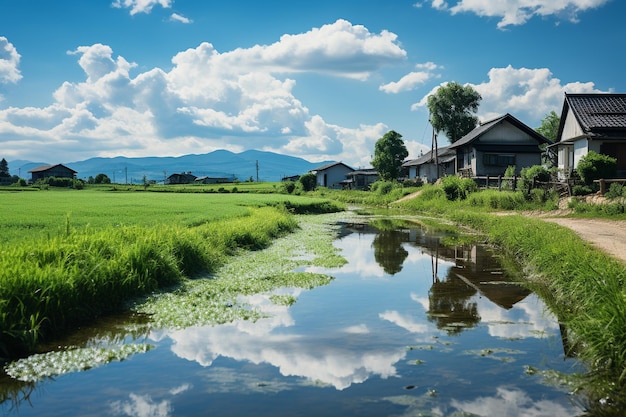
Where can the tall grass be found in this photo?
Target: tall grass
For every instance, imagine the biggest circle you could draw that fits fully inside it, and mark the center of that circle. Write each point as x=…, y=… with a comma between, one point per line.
x=50, y=285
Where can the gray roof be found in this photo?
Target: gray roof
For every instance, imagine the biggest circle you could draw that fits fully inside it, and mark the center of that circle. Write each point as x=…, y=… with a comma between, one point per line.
x=486, y=126
x=327, y=166
x=444, y=154
x=597, y=114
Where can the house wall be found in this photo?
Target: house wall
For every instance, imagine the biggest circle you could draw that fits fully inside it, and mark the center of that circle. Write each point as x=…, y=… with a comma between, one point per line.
x=331, y=177
x=581, y=148
x=505, y=133
x=571, y=128
x=58, y=172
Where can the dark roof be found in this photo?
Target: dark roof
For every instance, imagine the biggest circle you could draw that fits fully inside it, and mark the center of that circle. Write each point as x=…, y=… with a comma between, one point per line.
x=44, y=168
x=444, y=154
x=327, y=166
x=597, y=114
x=486, y=126
x=365, y=171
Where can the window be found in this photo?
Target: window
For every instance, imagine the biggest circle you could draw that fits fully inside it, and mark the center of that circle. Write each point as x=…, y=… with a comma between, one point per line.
x=494, y=159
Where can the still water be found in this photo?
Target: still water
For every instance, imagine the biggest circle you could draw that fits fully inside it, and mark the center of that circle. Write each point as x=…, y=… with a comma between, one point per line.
x=408, y=327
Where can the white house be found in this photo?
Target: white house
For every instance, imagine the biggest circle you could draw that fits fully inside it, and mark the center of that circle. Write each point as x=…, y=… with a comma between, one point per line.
x=332, y=175
x=591, y=122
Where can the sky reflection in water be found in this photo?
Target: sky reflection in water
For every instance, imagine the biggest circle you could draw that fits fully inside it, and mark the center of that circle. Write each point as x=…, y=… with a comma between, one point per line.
x=408, y=326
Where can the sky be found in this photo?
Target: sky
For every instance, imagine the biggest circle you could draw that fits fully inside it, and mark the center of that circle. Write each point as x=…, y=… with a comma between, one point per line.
x=322, y=80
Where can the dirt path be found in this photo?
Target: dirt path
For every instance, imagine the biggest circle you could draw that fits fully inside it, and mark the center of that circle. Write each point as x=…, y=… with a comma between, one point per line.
x=606, y=235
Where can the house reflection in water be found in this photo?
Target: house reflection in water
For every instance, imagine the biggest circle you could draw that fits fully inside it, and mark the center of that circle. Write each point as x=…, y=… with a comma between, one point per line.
x=477, y=271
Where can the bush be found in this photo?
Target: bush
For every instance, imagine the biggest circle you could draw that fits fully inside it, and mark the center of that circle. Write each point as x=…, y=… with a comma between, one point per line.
x=288, y=187
x=530, y=175
x=615, y=190
x=594, y=166
x=415, y=182
x=581, y=190
x=382, y=187
x=308, y=181
x=458, y=188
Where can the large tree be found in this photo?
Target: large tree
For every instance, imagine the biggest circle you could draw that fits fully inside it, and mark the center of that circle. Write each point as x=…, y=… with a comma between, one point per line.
x=4, y=168
x=550, y=126
x=389, y=153
x=452, y=109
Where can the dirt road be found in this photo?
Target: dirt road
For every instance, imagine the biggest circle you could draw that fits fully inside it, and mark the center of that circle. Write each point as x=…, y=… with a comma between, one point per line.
x=607, y=235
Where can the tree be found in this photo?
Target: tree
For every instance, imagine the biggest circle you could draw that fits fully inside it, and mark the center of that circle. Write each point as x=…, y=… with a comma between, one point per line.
x=451, y=110
x=550, y=126
x=389, y=153
x=4, y=168
x=102, y=179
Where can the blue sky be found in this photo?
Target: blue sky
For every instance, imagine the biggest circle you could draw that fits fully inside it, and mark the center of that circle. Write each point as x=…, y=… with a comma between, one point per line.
x=321, y=80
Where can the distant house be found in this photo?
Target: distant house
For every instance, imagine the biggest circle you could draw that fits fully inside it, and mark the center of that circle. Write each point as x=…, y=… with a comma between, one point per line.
x=211, y=180
x=360, y=179
x=591, y=122
x=183, y=178
x=292, y=178
x=332, y=175
x=497, y=144
x=428, y=168
x=46, y=171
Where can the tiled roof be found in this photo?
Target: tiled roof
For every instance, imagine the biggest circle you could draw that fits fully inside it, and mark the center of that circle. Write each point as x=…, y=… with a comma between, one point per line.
x=598, y=111
x=444, y=154
x=327, y=166
x=44, y=168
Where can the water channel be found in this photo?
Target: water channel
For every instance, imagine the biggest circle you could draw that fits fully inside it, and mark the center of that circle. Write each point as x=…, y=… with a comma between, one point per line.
x=409, y=326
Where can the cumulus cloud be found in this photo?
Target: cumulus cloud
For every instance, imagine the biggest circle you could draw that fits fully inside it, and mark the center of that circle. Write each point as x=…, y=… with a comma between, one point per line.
x=208, y=100
x=141, y=6
x=527, y=93
x=413, y=79
x=518, y=12
x=9, y=62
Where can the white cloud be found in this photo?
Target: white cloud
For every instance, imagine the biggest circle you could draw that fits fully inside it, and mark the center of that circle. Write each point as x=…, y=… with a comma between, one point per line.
x=9, y=62
x=528, y=94
x=209, y=100
x=175, y=17
x=412, y=80
x=518, y=12
x=141, y=6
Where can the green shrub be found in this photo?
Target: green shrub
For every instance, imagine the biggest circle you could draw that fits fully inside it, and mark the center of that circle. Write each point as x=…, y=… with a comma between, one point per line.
x=382, y=187
x=530, y=175
x=594, y=166
x=308, y=181
x=457, y=188
x=288, y=187
x=615, y=190
x=581, y=190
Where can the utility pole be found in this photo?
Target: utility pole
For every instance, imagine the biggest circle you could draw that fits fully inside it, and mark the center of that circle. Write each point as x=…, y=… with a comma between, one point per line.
x=257, y=170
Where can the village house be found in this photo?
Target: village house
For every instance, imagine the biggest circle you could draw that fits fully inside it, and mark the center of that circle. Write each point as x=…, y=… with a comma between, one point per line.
x=360, y=179
x=47, y=171
x=591, y=122
x=211, y=180
x=182, y=178
x=332, y=175
x=428, y=168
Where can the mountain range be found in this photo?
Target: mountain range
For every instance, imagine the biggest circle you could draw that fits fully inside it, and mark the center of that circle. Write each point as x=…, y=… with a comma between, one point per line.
x=221, y=163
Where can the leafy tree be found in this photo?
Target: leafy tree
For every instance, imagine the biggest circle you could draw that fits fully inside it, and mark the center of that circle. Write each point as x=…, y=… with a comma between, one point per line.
x=308, y=181
x=550, y=126
x=102, y=179
x=389, y=153
x=451, y=110
x=4, y=168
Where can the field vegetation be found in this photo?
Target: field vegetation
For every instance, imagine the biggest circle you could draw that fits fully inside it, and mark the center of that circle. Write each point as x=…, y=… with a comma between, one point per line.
x=70, y=256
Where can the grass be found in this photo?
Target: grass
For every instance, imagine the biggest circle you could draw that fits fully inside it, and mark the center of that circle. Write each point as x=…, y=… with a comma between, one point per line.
x=116, y=246
x=583, y=287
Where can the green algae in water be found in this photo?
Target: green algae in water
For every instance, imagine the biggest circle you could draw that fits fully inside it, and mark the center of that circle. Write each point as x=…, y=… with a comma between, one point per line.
x=221, y=298
x=37, y=367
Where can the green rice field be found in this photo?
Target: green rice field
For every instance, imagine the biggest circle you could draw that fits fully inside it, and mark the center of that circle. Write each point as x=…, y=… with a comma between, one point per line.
x=68, y=256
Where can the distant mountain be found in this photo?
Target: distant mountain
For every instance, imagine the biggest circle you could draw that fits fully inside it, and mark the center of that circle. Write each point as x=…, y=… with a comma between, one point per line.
x=221, y=163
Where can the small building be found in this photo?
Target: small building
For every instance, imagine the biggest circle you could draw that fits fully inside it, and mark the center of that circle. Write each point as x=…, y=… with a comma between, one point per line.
x=591, y=122
x=290, y=178
x=332, y=175
x=47, y=171
x=497, y=144
x=182, y=178
x=428, y=168
x=212, y=180
x=360, y=179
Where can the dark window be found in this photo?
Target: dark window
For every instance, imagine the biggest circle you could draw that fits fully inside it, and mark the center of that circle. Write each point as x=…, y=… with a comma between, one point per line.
x=495, y=159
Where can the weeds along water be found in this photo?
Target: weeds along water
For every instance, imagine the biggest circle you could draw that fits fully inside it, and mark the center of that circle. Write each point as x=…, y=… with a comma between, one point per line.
x=214, y=298
x=50, y=285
